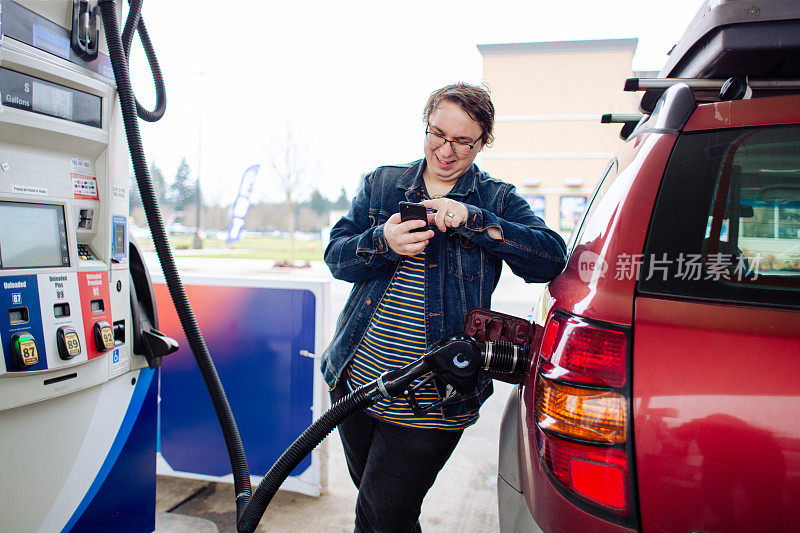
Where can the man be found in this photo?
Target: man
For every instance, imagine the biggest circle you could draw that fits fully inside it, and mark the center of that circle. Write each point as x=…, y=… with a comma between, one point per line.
x=413, y=288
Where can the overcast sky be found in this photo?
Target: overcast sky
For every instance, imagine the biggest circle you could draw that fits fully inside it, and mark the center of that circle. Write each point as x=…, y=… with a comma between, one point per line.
x=351, y=77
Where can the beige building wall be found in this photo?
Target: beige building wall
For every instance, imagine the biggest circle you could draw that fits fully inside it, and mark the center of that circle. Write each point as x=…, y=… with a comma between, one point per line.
x=549, y=98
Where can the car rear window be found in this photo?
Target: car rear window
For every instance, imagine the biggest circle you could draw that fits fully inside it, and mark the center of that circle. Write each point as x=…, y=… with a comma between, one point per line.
x=727, y=220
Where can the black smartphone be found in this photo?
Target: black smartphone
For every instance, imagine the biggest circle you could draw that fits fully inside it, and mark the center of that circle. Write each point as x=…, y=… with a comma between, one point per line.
x=412, y=211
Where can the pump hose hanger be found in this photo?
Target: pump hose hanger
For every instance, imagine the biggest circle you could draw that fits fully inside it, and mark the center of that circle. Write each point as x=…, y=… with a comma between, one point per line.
x=454, y=364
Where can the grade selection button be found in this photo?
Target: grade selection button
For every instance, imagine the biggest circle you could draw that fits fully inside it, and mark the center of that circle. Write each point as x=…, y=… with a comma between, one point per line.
x=69, y=345
x=23, y=348
x=103, y=336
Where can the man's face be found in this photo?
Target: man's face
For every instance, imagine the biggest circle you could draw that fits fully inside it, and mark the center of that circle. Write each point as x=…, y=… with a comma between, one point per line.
x=444, y=165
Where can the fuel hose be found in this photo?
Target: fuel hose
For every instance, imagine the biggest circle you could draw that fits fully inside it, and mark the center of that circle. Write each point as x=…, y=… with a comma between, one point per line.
x=135, y=24
x=233, y=442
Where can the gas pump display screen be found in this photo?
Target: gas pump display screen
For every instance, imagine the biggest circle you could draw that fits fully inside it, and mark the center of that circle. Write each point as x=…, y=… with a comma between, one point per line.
x=32, y=235
x=32, y=94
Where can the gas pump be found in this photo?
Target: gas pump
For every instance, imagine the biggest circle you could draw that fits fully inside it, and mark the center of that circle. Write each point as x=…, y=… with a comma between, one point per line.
x=77, y=405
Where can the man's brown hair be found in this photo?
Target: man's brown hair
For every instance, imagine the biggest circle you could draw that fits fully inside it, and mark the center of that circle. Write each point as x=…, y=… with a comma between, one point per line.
x=474, y=100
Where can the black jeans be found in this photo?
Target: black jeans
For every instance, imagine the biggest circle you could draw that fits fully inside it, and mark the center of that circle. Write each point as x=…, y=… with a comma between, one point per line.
x=392, y=466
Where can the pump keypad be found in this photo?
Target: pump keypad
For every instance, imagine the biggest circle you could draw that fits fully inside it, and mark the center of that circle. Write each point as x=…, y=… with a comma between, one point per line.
x=85, y=252
x=23, y=347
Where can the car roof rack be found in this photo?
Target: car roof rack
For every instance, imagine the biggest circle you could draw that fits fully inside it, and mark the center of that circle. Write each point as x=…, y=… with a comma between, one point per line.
x=704, y=89
x=630, y=121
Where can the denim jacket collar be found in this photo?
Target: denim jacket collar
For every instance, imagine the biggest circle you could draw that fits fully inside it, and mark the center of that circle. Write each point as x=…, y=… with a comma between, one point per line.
x=412, y=182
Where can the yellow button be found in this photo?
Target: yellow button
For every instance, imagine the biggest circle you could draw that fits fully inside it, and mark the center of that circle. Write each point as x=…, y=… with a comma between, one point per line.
x=73, y=344
x=28, y=352
x=103, y=336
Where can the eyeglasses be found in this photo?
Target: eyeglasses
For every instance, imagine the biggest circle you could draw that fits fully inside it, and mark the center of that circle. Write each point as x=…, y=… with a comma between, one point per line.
x=437, y=140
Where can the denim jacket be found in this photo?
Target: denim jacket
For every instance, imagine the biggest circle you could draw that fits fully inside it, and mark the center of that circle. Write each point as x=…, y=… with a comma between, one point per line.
x=462, y=265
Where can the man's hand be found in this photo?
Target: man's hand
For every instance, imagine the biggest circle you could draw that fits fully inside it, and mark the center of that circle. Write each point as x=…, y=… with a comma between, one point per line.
x=451, y=214
x=400, y=238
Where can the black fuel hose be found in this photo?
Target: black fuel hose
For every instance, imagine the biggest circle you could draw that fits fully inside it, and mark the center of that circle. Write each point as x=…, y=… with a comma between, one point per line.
x=131, y=23
x=135, y=23
x=389, y=385
x=233, y=442
x=301, y=447
x=503, y=358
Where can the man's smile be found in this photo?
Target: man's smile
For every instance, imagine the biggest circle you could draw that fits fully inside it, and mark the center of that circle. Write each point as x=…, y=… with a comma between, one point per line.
x=444, y=163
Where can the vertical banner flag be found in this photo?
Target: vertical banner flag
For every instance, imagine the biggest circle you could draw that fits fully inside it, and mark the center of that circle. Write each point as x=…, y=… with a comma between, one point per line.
x=242, y=204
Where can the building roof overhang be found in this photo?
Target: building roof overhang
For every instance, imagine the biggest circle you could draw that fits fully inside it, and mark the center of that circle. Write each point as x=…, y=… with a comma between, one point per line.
x=560, y=47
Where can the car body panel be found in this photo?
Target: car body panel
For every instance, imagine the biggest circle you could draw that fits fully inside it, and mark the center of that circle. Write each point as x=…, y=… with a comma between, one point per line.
x=716, y=401
x=617, y=230
x=741, y=113
x=513, y=511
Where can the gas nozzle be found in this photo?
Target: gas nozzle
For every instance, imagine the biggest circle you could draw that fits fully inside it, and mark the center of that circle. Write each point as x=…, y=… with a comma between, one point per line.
x=85, y=35
x=456, y=363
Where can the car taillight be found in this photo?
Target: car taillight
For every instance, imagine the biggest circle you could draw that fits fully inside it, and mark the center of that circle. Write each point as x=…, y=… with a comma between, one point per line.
x=585, y=414
x=578, y=352
x=581, y=406
x=597, y=474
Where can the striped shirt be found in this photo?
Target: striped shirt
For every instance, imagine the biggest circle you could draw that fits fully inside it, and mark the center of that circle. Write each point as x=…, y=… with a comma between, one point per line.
x=395, y=337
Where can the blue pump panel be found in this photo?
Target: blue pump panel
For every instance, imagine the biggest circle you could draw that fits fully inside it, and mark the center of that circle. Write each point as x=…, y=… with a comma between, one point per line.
x=255, y=335
x=122, y=496
x=21, y=293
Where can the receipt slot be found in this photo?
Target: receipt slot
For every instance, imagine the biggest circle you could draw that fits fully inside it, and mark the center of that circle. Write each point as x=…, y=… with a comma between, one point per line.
x=77, y=401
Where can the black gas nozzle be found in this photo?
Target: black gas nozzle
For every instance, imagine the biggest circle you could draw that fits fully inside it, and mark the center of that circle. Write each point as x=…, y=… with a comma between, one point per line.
x=84, y=36
x=457, y=362
x=454, y=364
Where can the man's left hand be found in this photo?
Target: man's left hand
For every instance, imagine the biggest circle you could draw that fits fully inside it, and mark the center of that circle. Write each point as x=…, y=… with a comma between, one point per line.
x=449, y=213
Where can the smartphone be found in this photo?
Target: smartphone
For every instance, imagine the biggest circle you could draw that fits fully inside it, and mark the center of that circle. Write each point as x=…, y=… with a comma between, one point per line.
x=412, y=211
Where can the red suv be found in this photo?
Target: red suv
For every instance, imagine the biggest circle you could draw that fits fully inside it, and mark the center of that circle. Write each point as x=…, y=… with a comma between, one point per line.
x=665, y=389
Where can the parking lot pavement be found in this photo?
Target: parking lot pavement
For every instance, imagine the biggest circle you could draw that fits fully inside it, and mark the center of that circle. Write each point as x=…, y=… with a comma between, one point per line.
x=462, y=499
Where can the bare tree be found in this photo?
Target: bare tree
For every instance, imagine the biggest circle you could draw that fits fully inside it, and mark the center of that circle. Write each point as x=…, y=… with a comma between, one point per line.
x=291, y=163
